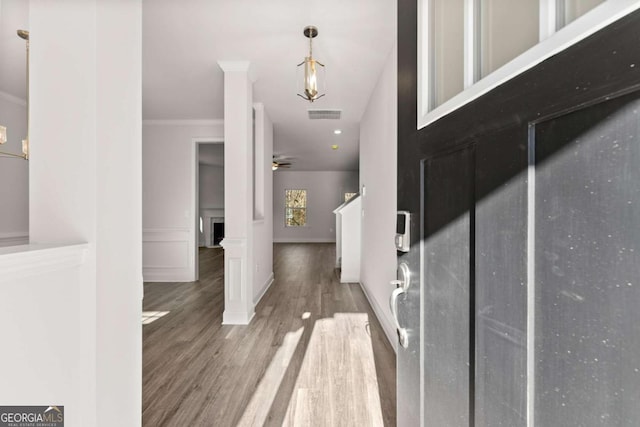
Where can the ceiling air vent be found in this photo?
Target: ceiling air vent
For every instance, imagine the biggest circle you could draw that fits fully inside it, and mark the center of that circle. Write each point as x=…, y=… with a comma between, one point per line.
x=325, y=114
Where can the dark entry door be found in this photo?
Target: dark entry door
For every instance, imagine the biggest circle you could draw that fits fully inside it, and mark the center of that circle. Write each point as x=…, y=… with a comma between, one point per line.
x=447, y=224
x=525, y=243
x=586, y=265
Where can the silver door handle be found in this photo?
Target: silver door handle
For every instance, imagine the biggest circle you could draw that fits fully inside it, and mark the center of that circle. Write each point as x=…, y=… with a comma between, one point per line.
x=393, y=304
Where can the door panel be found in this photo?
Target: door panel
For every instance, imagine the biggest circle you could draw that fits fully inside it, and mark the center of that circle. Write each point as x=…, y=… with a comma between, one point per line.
x=446, y=290
x=587, y=266
x=530, y=257
x=500, y=281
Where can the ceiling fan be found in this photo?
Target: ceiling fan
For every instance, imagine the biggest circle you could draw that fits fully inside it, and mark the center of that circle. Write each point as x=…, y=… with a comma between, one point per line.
x=280, y=162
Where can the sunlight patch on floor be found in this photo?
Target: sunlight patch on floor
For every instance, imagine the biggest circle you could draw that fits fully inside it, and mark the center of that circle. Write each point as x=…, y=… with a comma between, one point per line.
x=258, y=408
x=152, y=316
x=337, y=380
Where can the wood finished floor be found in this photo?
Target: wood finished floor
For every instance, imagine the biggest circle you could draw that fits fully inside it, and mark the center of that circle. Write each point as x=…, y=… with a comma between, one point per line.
x=314, y=354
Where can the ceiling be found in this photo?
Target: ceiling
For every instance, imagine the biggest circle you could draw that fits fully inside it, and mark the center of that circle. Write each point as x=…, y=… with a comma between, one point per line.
x=184, y=40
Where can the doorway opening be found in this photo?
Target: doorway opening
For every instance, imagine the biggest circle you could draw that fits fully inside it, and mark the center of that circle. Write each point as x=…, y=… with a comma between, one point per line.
x=208, y=196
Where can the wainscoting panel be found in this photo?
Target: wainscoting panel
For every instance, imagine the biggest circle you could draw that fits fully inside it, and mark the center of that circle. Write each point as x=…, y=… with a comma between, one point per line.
x=167, y=255
x=238, y=306
x=235, y=277
x=47, y=323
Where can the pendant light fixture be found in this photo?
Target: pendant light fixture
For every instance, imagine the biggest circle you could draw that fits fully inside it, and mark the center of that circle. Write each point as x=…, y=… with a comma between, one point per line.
x=313, y=78
x=23, y=34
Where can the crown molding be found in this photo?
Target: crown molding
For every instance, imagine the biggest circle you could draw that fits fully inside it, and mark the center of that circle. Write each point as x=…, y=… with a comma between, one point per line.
x=186, y=122
x=239, y=67
x=13, y=99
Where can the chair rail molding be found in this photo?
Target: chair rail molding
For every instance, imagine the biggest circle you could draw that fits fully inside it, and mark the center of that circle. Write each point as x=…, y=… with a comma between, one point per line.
x=13, y=99
x=39, y=259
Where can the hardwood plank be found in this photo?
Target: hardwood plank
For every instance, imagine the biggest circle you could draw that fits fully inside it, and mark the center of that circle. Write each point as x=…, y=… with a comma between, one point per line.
x=314, y=354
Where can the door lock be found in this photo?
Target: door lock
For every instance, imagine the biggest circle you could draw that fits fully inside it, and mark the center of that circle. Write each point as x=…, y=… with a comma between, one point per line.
x=403, y=225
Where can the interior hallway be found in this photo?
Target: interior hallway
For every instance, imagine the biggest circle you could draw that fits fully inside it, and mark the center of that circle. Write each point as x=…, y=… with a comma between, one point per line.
x=314, y=354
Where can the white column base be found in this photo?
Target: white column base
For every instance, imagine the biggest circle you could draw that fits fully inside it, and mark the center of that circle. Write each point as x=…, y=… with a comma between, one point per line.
x=236, y=318
x=238, y=304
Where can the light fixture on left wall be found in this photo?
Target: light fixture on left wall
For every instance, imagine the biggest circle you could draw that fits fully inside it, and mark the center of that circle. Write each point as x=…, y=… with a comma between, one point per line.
x=23, y=34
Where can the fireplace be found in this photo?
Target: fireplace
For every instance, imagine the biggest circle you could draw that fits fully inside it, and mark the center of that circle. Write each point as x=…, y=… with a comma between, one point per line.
x=217, y=231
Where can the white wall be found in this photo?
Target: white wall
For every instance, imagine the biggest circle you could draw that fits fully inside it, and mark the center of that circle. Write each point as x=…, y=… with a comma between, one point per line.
x=168, y=216
x=325, y=192
x=85, y=186
x=14, y=174
x=211, y=187
x=378, y=152
x=263, y=228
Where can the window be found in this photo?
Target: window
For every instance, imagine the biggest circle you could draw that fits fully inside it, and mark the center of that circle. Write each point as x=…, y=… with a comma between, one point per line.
x=295, y=208
x=463, y=42
x=506, y=29
x=447, y=36
x=569, y=10
x=348, y=196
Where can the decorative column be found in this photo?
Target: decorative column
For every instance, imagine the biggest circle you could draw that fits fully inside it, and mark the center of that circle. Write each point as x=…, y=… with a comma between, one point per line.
x=238, y=195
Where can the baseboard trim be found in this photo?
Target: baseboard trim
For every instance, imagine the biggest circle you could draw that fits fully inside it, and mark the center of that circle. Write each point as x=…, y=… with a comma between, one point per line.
x=237, y=318
x=387, y=327
x=155, y=276
x=265, y=287
x=14, y=239
x=302, y=240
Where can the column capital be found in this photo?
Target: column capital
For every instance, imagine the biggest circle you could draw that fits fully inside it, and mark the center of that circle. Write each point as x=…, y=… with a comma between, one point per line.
x=238, y=67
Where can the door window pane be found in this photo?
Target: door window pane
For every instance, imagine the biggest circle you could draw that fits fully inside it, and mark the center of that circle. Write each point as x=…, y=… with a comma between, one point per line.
x=573, y=9
x=507, y=29
x=448, y=49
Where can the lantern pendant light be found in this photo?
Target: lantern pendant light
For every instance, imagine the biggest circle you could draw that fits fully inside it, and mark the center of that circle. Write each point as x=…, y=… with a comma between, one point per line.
x=313, y=70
